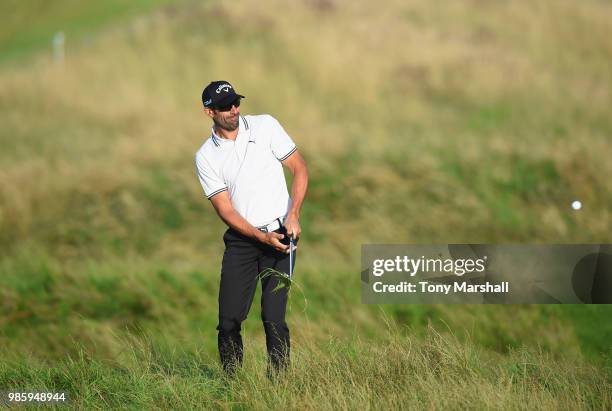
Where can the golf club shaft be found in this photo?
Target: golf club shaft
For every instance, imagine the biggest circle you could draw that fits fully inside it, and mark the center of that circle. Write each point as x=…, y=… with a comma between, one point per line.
x=290, y=257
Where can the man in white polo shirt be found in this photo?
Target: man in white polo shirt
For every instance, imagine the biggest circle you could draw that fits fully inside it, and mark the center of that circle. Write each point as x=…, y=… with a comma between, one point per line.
x=240, y=167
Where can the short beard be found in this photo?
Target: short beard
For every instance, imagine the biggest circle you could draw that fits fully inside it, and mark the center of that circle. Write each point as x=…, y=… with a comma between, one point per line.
x=225, y=125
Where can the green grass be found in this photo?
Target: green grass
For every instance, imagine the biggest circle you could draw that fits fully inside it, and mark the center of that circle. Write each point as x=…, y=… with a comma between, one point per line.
x=29, y=26
x=592, y=328
x=433, y=372
x=455, y=124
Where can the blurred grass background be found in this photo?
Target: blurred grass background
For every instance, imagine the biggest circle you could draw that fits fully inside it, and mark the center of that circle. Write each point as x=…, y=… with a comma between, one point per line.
x=439, y=122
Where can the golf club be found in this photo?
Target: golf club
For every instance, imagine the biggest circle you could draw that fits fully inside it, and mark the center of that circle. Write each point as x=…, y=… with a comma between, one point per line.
x=290, y=257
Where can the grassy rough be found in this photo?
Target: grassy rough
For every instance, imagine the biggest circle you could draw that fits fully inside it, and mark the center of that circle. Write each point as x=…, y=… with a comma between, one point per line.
x=437, y=371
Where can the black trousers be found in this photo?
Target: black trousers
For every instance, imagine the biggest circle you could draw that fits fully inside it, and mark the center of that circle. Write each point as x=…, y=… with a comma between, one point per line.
x=244, y=259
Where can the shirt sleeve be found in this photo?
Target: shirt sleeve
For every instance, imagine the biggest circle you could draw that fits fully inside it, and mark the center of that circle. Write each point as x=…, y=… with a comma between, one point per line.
x=281, y=144
x=209, y=178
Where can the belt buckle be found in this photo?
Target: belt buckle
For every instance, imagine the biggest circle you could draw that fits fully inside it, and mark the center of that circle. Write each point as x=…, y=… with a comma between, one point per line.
x=268, y=228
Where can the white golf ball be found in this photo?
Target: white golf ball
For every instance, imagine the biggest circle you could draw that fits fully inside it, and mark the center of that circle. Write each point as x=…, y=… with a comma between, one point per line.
x=576, y=205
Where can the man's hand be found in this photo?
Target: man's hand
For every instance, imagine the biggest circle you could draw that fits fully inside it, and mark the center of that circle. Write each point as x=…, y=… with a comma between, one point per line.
x=273, y=240
x=292, y=224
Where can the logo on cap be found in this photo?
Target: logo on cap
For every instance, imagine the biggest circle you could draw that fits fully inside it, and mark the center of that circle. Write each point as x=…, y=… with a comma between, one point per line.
x=223, y=87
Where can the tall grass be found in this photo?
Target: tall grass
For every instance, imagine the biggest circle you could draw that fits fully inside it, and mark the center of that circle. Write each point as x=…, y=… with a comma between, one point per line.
x=397, y=372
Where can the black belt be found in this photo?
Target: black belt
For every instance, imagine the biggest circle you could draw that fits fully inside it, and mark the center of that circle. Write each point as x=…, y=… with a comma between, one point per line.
x=273, y=226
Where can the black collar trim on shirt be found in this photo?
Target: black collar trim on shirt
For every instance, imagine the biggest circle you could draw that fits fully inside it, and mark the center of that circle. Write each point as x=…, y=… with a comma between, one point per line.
x=246, y=125
x=215, y=139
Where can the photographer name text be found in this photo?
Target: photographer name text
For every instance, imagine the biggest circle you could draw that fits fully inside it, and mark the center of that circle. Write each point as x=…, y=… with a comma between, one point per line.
x=433, y=288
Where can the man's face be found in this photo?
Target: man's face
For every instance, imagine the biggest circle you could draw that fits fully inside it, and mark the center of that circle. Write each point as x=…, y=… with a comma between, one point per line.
x=227, y=117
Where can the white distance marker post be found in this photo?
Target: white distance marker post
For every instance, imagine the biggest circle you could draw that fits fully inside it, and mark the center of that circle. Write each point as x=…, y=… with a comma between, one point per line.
x=576, y=205
x=58, y=47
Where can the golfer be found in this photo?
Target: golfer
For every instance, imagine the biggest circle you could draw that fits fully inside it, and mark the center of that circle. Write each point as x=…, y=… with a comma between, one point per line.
x=240, y=167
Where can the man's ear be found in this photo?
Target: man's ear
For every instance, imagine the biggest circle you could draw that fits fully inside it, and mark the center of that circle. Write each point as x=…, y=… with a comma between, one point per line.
x=209, y=112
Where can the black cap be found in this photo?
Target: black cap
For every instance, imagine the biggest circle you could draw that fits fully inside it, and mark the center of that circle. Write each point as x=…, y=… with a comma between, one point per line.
x=218, y=94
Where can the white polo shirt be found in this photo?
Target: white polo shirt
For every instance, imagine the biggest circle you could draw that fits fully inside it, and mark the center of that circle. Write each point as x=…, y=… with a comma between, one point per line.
x=249, y=168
